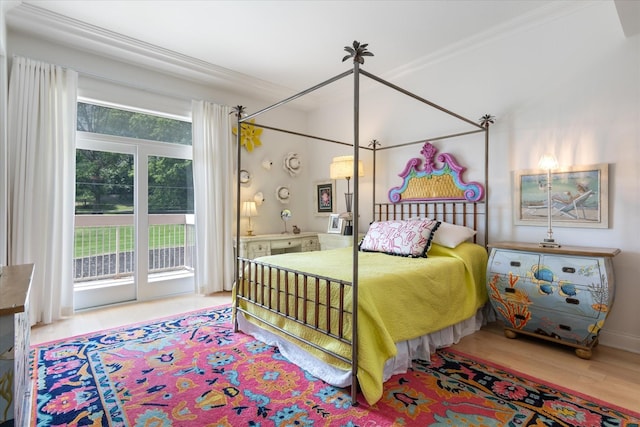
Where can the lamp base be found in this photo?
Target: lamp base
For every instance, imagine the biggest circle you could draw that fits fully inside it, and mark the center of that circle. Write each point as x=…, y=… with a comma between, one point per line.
x=549, y=243
x=348, y=230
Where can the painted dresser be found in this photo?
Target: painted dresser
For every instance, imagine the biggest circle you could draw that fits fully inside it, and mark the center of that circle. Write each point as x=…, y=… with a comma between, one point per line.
x=15, y=380
x=272, y=244
x=560, y=294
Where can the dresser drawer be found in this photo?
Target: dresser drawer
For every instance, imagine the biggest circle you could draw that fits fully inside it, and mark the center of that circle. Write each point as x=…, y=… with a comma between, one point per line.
x=310, y=244
x=258, y=249
x=573, y=270
x=273, y=244
x=285, y=244
x=566, y=327
x=517, y=263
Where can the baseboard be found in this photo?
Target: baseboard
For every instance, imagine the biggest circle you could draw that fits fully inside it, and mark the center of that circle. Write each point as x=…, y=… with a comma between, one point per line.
x=620, y=341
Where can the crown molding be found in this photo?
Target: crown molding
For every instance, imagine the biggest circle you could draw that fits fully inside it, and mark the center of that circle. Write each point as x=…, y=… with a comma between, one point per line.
x=526, y=22
x=41, y=23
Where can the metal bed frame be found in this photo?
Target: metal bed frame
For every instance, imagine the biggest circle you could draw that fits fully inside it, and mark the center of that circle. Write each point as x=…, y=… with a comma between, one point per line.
x=255, y=279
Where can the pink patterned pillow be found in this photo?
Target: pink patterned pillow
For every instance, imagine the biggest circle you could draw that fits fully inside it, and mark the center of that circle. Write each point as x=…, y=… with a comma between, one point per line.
x=407, y=238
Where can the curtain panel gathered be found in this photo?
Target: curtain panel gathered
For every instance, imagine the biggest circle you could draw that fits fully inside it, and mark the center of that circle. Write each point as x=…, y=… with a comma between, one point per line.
x=214, y=184
x=41, y=203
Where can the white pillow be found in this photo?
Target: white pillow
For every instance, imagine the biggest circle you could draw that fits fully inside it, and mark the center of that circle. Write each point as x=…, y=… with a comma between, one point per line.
x=451, y=235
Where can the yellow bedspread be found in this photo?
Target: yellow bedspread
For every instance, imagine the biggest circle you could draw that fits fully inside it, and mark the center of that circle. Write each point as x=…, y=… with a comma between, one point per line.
x=399, y=299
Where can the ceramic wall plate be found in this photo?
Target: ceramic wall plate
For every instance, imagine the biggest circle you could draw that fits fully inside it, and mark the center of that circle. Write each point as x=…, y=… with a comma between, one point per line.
x=283, y=194
x=258, y=198
x=292, y=164
x=245, y=176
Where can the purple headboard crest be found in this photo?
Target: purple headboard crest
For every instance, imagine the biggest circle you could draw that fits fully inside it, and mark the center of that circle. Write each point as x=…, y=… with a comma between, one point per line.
x=427, y=182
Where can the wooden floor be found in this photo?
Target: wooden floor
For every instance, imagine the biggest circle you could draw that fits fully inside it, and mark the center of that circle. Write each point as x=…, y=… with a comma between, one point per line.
x=611, y=375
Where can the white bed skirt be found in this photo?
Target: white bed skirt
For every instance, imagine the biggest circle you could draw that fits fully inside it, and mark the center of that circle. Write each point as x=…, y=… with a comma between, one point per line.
x=418, y=348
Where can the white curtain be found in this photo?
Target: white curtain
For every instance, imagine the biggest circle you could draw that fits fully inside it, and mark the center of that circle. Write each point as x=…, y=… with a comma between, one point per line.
x=214, y=197
x=41, y=150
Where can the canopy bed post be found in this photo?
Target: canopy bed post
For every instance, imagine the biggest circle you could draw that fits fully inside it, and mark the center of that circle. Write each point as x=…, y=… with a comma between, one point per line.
x=238, y=110
x=485, y=122
x=356, y=214
x=374, y=145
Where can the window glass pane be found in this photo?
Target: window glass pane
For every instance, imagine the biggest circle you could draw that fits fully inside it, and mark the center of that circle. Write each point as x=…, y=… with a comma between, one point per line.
x=112, y=121
x=170, y=185
x=171, y=238
x=104, y=182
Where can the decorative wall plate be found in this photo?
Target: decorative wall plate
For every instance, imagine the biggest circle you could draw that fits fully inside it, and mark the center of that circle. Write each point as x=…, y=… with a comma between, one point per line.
x=282, y=194
x=245, y=176
x=258, y=198
x=292, y=164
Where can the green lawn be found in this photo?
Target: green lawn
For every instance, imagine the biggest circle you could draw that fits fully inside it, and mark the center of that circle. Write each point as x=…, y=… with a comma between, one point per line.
x=102, y=240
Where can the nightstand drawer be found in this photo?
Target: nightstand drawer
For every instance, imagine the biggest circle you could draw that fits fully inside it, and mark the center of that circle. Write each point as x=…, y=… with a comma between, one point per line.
x=518, y=264
x=573, y=270
x=571, y=329
x=529, y=293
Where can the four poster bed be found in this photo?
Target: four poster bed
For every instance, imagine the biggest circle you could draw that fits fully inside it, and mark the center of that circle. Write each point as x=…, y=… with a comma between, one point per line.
x=407, y=306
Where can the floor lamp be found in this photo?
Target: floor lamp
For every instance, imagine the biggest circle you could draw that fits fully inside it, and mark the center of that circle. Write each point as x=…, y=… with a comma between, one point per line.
x=342, y=168
x=548, y=162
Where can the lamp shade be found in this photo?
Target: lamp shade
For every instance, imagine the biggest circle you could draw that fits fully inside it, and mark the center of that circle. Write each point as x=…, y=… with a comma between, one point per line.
x=342, y=167
x=249, y=209
x=548, y=162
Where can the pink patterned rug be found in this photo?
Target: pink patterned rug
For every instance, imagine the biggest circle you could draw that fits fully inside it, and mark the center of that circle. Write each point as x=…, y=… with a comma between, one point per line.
x=194, y=371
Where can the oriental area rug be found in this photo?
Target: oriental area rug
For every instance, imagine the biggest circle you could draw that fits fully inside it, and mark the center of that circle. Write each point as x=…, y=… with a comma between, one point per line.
x=193, y=370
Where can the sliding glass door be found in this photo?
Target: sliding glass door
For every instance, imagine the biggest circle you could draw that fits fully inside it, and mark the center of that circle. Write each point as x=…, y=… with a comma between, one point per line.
x=134, y=208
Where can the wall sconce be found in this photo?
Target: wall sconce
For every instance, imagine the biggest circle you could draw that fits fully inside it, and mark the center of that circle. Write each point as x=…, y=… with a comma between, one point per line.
x=342, y=168
x=548, y=162
x=249, y=210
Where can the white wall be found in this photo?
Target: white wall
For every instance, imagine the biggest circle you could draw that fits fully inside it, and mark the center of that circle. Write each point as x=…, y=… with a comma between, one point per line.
x=569, y=85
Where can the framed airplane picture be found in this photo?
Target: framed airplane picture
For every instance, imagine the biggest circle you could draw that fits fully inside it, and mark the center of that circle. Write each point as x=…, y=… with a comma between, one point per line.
x=579, y=197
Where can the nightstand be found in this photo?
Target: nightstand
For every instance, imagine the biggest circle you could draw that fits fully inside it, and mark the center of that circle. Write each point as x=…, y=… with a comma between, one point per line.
x=271, y=244
x=558, y=294
x=334, y=241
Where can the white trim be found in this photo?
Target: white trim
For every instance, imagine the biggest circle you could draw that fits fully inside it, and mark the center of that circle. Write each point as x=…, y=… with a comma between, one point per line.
x=31, y=19
x=620, y=340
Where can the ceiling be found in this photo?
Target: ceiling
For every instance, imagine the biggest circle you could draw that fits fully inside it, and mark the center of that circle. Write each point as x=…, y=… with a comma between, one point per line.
x=285, y=46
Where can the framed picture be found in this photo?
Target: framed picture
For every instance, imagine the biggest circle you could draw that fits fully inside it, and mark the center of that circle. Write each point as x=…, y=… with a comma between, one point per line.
x=579, y=197
x=323, y=198
x=335, y=224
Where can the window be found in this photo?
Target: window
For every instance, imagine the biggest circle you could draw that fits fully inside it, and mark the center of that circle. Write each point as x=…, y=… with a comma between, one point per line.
x=134, y=206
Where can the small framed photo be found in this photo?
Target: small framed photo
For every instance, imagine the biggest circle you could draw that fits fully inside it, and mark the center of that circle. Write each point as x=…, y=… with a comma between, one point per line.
x=335, y=224
x=323, y=198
